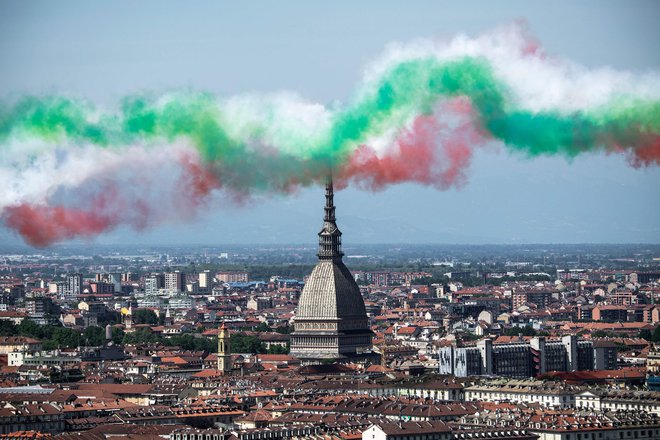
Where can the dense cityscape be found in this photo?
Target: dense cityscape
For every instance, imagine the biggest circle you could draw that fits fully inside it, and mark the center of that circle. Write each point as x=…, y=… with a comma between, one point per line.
x=414, y=342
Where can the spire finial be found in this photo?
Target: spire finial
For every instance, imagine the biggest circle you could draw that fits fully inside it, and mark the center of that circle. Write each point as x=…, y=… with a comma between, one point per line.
x=329, y=201
x=330, y=235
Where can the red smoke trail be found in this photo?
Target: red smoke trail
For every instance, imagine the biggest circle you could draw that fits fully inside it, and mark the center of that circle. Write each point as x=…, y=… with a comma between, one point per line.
x=196, y=182
x=430, y=152
x=647, y=154
x=113, y=204
x=41, y=226
x=410, y=160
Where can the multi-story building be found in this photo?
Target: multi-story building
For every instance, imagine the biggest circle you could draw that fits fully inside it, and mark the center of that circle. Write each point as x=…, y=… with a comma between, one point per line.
x=205, y=280
x=115, y=280
x=175, y=281
x=181, y=302
x=9, y=344
x=379, y=278
x=391, y=430
x=616, y=400
x=260, y=303
x=58, y=288
x=512, y=360
x=73, y=288
x=518, y=360
x=544, y=393
x=525, y=297
x=232, y=277
x=572, y=274
x=622, y=298
x=569, y=424
x=631, y=313
x=128, y=277
x=605, y=355
x=149, y=302
x=153, y=283
x=42, y=418
x=101, y=287
x=39, y=307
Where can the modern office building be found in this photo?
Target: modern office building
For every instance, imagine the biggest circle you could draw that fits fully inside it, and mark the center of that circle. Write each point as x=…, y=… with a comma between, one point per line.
x=523, y=359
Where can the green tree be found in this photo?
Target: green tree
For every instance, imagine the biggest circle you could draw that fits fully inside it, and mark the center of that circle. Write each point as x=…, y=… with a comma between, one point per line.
x=278, y=349
x=49, y=344
x=66, y=338
x=141, y=337
x=646, y=334
x=145, y=316
x=285, y=329
x=263, y=327
x=31, y=329
x=241, y=343
x=117, y=335
x=8, y=328
x=94, y=336
x=191, y=342
x=600, y=334
x=527, y=330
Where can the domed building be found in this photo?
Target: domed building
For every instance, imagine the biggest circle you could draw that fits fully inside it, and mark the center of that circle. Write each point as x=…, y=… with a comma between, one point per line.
x=331, y=322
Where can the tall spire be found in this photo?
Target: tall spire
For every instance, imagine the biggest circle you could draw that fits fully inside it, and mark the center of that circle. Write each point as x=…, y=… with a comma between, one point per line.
x=330, y=235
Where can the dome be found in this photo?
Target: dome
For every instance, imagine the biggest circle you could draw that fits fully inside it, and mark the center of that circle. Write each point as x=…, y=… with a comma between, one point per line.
x=330, y=293
x=331, y=321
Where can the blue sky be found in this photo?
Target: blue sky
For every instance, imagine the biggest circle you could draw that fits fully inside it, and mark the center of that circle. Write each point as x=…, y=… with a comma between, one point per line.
x=104, y=50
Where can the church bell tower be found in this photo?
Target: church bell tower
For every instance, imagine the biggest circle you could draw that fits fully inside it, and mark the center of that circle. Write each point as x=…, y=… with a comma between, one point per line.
x=224, y=350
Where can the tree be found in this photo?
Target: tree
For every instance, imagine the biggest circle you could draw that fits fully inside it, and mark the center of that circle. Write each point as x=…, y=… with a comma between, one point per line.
x=94, y=336
x=8, y=328
x=31, y=329
x=117, y=335
x=66, y=338
x=527, y=330
x=646, y=334
x=145, y=316
x=190, y=342
x=263, y=327
x=278, y=349
x=141, y=337
x=241, y=343
x=285, y=329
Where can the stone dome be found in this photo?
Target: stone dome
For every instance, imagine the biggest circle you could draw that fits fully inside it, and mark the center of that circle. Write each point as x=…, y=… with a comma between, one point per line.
x=330, y=293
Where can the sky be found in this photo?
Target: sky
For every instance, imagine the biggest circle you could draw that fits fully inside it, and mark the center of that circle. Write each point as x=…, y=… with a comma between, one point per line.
x=102, y=51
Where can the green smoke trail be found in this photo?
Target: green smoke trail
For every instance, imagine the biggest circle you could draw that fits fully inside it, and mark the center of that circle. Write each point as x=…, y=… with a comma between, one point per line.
x=413, y=87
x=404, y=91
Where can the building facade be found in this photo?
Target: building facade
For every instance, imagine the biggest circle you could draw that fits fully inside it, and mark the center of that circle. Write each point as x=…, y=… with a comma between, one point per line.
x=520, y=359
x=331, y=321
x=175, y=281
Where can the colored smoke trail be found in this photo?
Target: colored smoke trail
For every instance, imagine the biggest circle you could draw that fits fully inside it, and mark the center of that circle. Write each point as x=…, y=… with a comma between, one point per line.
x=72, y=170
x=433, y=151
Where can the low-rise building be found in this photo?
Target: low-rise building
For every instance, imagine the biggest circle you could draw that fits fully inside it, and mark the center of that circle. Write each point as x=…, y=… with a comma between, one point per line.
x=545, y=393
